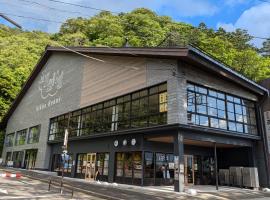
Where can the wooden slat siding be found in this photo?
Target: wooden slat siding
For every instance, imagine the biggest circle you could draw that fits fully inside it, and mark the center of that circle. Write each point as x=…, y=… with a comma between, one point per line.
x=102, y=81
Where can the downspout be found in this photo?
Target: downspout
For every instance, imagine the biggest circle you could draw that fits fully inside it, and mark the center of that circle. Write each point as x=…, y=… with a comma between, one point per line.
x=264, y=136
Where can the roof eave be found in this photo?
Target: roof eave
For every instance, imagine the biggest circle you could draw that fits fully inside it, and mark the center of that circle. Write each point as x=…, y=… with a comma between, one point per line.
x=223, y=70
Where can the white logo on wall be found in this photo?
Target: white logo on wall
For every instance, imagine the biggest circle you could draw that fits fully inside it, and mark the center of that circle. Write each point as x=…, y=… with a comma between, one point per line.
x=49, y=85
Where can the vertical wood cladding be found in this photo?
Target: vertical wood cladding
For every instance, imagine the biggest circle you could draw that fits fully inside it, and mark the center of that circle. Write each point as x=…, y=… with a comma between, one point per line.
x=113, y=77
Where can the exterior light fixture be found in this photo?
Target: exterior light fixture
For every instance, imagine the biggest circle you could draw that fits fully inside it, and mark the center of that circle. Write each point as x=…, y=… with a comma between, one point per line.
x=115, y=143
x=124, y=142
x=133, y=142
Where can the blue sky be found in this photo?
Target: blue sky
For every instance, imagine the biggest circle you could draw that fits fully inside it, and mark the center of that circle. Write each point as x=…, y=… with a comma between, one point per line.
x=252, y=15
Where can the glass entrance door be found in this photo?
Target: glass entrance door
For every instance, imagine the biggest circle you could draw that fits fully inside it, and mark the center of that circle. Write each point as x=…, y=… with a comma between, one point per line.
x=189, y=169
x=91, y=166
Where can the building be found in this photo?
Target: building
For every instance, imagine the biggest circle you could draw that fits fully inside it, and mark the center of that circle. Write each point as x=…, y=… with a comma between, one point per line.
x=145, y=116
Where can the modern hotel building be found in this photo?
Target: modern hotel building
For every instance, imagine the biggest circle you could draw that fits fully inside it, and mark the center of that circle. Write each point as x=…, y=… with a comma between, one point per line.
x=144, y=116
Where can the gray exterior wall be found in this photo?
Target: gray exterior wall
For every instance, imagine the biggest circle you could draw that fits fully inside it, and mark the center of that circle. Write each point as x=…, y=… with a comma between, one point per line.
x=70, y=94
x=26, y=114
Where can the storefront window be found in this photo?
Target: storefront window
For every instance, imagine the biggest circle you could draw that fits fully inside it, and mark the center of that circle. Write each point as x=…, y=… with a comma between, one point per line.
x=102, y=163
x=148, y=165
x=59, y=159
x=81, y=165
x=56, y=163
x=129, y=165
x=119, y=164
x=137, y=164
x=164, y=166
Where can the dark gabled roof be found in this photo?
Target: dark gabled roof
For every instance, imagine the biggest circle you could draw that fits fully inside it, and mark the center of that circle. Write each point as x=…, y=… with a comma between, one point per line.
x=188, y=54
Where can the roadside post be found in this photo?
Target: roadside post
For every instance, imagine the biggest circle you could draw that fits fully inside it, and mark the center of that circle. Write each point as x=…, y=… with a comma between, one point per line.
x=64, y=153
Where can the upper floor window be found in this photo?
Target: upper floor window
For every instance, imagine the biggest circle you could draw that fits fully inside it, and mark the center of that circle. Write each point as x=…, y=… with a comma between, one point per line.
x=9, y=140
x=207, y=107
x=33, y=136
x=20, y=137
x=143, y=108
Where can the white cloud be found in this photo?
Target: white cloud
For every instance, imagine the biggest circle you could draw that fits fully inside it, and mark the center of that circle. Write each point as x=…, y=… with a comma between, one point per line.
x=228, y=27
x=175, y=8
x=256, y=20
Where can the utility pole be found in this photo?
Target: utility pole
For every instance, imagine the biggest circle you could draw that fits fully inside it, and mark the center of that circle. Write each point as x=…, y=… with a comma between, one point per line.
x=10, y=21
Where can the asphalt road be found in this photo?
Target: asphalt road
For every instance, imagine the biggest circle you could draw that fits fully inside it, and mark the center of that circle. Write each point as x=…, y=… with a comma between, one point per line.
x=26, y=188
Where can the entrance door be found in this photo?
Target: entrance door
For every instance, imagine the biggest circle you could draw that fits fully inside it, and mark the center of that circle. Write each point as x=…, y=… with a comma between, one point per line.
x=91, y=166
x=30, y=158
x=189, y=169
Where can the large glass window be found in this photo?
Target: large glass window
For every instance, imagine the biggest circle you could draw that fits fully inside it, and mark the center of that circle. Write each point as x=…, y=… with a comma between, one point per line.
x=102, y=164
x=129, y=165
x=81, y=165
x=147, y=107
x=33, y=136
x=149, y=165
x=57, y=127
x=21, y=137
x=207, y=107
x=9, y=140
x=17, y=158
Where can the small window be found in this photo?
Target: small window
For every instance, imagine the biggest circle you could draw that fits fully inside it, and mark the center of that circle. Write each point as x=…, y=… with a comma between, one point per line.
x=33, y=136
x=20, y=137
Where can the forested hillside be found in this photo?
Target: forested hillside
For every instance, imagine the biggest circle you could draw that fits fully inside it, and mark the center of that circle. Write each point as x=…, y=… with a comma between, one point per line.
x=20, y=50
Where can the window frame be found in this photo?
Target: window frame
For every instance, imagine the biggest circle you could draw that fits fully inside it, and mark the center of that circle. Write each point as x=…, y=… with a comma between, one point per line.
x=116, y=114
x=228, y=99
x=38, y=134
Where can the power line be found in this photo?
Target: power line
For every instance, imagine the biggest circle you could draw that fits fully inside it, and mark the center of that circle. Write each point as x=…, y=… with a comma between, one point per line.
x=83, y=6
x=33, y=18
x=52, y=8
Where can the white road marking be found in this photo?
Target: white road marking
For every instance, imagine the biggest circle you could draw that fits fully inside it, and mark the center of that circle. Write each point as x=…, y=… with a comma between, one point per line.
x=3, y=191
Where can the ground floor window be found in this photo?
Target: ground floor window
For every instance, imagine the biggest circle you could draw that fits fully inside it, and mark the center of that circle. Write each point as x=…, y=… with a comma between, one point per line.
x=17, y=158
x=81, y=165
x=8, y=157
x=60, y=160
x=30, y=158
x=158, y=168
x=101, y=165
x=129, y=167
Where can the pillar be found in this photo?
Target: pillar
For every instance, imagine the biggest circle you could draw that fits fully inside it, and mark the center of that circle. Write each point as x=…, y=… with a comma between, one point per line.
x=178, y=162
x=111, y=166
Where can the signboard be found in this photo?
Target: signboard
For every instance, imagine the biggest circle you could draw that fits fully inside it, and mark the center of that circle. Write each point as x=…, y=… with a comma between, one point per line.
x=267, y=126
x=66, y=138
x=176, y=167
x=163, y=102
